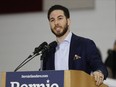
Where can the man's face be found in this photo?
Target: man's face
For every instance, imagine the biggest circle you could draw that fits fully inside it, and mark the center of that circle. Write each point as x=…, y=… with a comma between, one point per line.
x=58, y=23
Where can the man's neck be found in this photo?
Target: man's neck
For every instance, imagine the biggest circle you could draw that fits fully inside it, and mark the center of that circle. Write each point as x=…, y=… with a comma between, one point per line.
x=61, y=39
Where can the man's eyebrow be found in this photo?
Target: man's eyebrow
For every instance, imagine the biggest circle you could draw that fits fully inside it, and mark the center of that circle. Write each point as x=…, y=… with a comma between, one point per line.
x=60, y=16
x=51, y=18
x=57, y=17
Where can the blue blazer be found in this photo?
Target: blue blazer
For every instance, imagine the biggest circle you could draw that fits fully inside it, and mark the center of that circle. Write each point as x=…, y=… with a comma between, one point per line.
x=83, y=56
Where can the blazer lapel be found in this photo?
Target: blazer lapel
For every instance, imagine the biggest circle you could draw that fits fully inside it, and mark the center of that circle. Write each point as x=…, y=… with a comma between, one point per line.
x=72, y=52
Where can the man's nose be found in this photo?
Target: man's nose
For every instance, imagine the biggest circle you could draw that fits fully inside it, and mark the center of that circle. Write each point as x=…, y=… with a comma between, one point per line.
x=55, y=22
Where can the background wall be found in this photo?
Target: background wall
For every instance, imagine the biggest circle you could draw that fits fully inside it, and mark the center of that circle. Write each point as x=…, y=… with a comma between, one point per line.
x=21, y=33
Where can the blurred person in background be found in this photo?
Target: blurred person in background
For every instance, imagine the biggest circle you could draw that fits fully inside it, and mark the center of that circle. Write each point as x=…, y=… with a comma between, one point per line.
x=111, y=62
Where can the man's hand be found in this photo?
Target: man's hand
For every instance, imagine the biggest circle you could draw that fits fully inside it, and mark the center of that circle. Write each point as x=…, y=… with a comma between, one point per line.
x=98, y=76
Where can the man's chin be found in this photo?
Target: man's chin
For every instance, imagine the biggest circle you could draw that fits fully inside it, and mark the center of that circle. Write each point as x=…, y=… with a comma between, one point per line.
x=59, y=35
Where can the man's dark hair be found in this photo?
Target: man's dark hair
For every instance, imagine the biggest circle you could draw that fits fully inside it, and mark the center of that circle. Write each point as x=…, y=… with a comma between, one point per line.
x=59, y=7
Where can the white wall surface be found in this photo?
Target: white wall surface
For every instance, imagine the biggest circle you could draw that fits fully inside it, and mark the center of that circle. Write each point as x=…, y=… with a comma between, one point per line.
x=21, y=33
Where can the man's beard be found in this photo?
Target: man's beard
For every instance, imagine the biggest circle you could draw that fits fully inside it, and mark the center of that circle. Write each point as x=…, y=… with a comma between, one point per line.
x=63, y=32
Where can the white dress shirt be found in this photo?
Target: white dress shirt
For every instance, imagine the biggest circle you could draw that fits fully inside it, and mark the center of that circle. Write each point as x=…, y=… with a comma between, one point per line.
x=62, y=54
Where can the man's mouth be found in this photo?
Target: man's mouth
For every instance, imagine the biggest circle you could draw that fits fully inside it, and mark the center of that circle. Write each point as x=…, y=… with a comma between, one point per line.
x=58, y=28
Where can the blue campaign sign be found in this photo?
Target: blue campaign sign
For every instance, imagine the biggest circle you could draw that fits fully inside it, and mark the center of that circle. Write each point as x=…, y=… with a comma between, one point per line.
x=35, y=79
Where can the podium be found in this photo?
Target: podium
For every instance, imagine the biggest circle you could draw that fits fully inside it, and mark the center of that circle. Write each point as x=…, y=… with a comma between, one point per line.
x=60, y=78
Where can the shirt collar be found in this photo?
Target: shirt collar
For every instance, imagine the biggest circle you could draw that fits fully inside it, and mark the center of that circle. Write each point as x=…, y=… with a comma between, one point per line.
x=68, y=38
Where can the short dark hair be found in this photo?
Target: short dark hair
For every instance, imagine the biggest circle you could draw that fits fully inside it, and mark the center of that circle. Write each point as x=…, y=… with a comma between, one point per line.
x=59, y=7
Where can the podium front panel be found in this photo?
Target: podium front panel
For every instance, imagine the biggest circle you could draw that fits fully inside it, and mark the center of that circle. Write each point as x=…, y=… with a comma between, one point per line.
x=35, y=79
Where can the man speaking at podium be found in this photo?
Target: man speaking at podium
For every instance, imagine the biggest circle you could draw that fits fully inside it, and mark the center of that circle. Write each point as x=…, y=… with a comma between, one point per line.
x=72, y=52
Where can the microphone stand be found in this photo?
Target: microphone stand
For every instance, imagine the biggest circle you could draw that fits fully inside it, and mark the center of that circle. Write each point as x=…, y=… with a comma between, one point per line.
x=41, y=60
x=30, y=57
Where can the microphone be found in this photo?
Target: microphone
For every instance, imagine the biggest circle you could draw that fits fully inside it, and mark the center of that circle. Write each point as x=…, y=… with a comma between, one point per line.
x=49, y=47
x=43, y=48
x=45, y=51
x=40, y=48
x=52, y=45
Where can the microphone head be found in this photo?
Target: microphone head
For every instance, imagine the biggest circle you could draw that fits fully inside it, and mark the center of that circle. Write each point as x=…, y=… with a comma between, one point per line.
x=41, y=46
x=48, y=48
x=53, y=44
